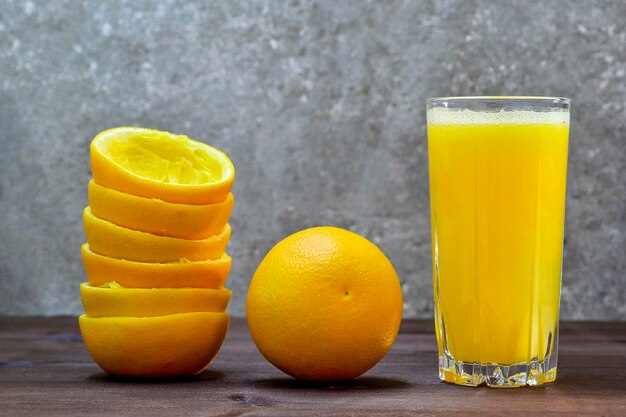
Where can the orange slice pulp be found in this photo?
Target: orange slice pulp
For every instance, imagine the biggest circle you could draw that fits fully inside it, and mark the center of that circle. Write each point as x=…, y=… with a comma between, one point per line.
x=154, y=164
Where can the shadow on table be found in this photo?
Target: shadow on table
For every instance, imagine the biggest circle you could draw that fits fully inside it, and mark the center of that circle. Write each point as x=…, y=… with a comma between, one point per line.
x=201, y=377
x=359, y=384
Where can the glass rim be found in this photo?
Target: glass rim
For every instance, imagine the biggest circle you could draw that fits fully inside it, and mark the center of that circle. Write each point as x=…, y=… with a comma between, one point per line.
x=556, y=100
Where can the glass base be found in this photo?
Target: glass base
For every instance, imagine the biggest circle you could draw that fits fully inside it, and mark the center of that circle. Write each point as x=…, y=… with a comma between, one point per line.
x=497, y=376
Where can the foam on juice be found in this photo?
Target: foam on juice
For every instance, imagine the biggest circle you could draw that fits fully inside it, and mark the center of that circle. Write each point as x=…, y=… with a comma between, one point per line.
x=443, y=116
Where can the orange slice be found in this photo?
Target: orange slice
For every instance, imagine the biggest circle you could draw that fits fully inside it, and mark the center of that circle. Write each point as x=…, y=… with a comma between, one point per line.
x=154, y=164
x=186, y=221
x=172, y=345
x=106, y=238
x=199, y=274
x=112, y=300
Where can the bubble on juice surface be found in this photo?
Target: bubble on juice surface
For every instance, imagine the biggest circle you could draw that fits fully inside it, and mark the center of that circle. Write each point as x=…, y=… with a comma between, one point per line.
x=445, y=116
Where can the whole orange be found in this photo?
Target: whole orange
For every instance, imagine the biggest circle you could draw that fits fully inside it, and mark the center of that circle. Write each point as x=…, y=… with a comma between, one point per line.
x=325, y=304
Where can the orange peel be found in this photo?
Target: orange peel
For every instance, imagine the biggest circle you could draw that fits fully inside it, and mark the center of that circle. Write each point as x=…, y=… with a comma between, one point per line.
x=172, y=345
x=109, y=239
x=155, y=164
x=113, y=300
x=185, y=221
x=130, y=274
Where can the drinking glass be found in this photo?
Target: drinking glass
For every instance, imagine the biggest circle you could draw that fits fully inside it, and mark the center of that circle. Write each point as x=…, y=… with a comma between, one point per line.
x=497, y=170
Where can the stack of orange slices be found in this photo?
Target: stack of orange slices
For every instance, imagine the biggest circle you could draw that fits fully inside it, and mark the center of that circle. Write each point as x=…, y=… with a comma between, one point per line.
x=155, y=257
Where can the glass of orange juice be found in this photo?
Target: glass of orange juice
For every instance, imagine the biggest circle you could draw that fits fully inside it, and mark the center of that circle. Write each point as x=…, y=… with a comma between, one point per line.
x=497, y=192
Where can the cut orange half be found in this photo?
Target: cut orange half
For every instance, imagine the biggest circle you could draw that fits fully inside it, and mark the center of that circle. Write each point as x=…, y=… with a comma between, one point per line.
x=155, y=164
x=106, y=238
x=199, y=274
x=172, y=345
x=112, y=300
x=186, y=221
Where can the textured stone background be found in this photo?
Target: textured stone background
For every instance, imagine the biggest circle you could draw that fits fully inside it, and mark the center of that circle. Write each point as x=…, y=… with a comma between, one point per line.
x=320, y=105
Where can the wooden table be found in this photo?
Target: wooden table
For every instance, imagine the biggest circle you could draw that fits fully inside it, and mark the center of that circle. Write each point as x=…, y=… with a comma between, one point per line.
x=45, y=370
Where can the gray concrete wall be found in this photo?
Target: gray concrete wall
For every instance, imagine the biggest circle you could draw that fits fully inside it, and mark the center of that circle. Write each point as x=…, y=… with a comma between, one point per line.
x=320, y=104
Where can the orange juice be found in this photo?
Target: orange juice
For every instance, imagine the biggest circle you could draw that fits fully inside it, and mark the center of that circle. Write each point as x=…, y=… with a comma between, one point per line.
x=497, y=184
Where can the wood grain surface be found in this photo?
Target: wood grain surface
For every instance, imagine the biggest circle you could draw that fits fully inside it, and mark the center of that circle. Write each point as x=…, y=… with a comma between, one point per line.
x=45, y=370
